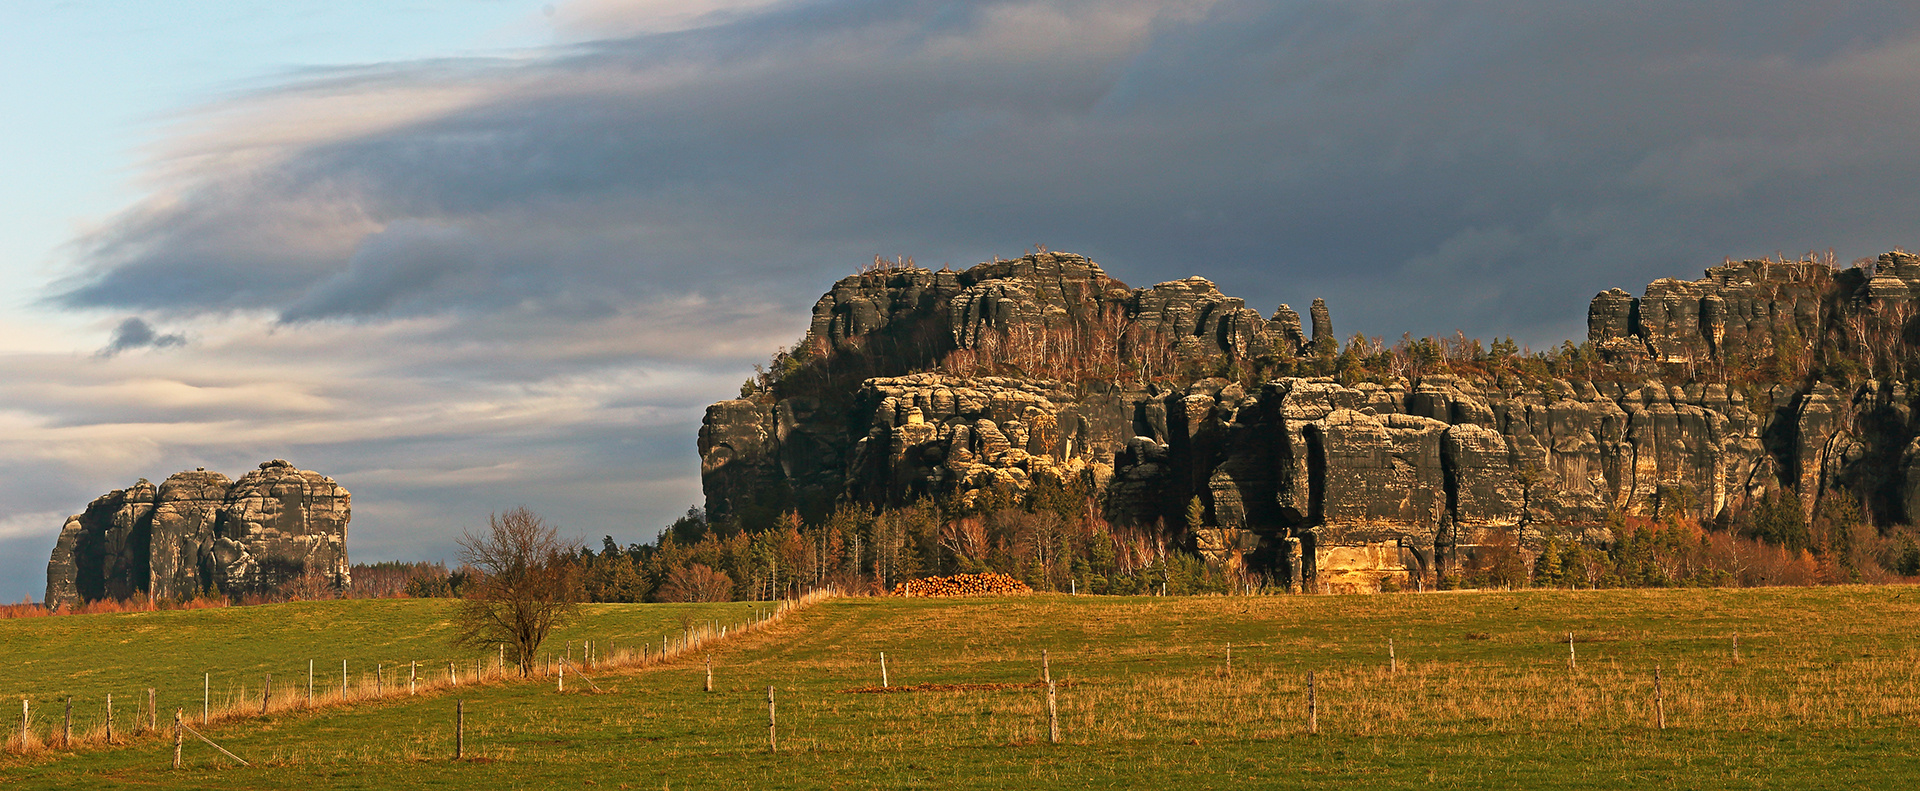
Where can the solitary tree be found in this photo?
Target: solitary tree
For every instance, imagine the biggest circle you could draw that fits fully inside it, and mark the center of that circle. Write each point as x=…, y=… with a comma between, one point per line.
x=526, y=585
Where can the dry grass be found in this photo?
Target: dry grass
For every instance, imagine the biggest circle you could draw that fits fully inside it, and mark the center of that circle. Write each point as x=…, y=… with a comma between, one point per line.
x=1824, y=695
x=135, y=719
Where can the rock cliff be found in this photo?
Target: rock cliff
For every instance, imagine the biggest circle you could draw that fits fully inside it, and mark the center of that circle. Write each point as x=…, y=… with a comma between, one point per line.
x=200, y=530
x=1329, y=469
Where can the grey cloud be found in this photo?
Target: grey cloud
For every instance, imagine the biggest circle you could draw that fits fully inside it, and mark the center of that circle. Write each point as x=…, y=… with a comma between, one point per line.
x=135, y=333
x=1285, y=149
x=580, y=246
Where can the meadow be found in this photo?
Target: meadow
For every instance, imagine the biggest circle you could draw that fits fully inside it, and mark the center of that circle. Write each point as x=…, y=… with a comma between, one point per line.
x=1479, y=692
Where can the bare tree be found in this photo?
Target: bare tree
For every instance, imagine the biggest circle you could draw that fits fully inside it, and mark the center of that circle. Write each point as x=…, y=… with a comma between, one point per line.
x=696, y=583
x=526, y=584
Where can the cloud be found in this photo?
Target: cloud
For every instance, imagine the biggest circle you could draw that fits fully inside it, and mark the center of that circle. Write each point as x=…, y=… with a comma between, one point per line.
x=136, y=333
x=1286, y=149
x=449, y=270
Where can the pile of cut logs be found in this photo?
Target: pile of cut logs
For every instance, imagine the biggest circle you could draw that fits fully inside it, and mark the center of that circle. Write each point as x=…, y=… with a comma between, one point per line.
x=988, y=584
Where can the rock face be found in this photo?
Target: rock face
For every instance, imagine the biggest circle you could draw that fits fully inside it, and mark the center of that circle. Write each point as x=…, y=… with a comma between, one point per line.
x=1338, y=484
x=199, y=530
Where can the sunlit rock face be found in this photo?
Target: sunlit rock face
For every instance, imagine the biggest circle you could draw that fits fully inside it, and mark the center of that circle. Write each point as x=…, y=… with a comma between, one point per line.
x=199, y=531
x=1694, y=399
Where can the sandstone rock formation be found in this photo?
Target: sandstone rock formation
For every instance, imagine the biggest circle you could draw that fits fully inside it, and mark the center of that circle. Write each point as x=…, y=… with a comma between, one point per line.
x=198, y=531
x=1695, y=399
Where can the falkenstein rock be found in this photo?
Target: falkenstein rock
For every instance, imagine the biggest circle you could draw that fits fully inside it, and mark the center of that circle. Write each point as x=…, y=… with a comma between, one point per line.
x=1698, y=397
x=199, y=531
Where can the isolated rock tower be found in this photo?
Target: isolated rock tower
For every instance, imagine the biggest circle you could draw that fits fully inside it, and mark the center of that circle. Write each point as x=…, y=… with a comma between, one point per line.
x=198, y=531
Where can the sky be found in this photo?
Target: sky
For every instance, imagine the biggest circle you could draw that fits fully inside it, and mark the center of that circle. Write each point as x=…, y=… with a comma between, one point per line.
x=463, y=255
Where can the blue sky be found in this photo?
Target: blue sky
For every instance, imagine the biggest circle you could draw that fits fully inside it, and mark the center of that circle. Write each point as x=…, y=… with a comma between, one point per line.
x=468, y=255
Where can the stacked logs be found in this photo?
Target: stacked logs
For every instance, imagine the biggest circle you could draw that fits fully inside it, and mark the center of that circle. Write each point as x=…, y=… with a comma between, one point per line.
x=988, y=584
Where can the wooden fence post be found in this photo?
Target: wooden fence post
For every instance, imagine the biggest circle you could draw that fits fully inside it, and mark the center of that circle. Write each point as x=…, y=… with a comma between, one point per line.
x=1313, y=706
x=266, y=695
x=66, y=734
x=1571, y=663
x=1046, y=667
x=1229, y=660
x=1053, y=715
x=773, y=734
x=413, y=675
x=459, y=729
x=709, y=672
x=153, y=712
x=1736, y=646
x=24, y=719
x=1393, y=662
x=561, y=677
x=501, y=669
x=884, y=681
x=179, y=738
x=206, y=695
x=379, y=669
x=344, y=685
x=109, y=718
x=1659, y=700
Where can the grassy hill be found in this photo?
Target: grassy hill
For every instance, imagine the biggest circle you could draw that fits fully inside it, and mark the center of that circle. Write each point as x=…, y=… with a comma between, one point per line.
x=1824, y=694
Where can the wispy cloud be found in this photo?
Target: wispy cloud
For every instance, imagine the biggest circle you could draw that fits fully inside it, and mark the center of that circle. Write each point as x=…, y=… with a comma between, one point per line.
x=544, y=263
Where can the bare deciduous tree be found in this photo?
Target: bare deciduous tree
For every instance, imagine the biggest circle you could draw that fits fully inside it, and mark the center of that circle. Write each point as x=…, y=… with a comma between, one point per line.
x=525, y=588
x=696, y=583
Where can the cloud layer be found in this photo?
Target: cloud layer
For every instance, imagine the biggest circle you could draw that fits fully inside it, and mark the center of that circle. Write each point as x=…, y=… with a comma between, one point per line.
x=451, y=273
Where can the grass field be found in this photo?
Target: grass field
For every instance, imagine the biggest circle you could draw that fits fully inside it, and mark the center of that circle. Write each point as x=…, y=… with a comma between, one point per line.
x=1825, y=694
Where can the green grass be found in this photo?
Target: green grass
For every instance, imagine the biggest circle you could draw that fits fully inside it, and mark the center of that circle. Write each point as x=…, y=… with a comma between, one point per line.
x=1826, y=694
x=233, y=649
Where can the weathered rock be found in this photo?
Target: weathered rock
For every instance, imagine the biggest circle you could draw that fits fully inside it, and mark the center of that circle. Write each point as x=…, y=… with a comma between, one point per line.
x=1325, y=485
x=198, y=531
x=1322, y=322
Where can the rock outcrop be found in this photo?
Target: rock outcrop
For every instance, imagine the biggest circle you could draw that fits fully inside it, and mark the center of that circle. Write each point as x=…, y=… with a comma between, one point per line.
x=200, y=531
x=1695, y=399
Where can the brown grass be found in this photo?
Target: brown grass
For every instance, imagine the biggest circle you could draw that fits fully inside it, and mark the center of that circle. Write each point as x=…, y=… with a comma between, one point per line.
x=28, y=608
x=290, y=695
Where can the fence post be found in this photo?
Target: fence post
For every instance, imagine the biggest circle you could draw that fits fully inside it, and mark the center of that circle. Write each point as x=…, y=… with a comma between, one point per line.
x=1053, y=715
x=153, y=712
x=179, y=737
x=266, y=695
x=561, y=677
x=109, y=718
x=206, y=694
x=378, y=669
x=1393, y=662
x=709, y=672
x=413, y=675
x=1659, y=700
x=24, y=719
x=459, y=729
x=884, y=681
x=773, y=735
x=66, y=735
x=1570, y=660
x=343, y=681
x=1229, y=660
x=1313, y=706
x=1736, y=646
x=309, y=682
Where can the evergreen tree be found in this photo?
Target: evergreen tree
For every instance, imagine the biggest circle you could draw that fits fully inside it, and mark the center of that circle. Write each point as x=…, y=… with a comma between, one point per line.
x=1547, y=572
